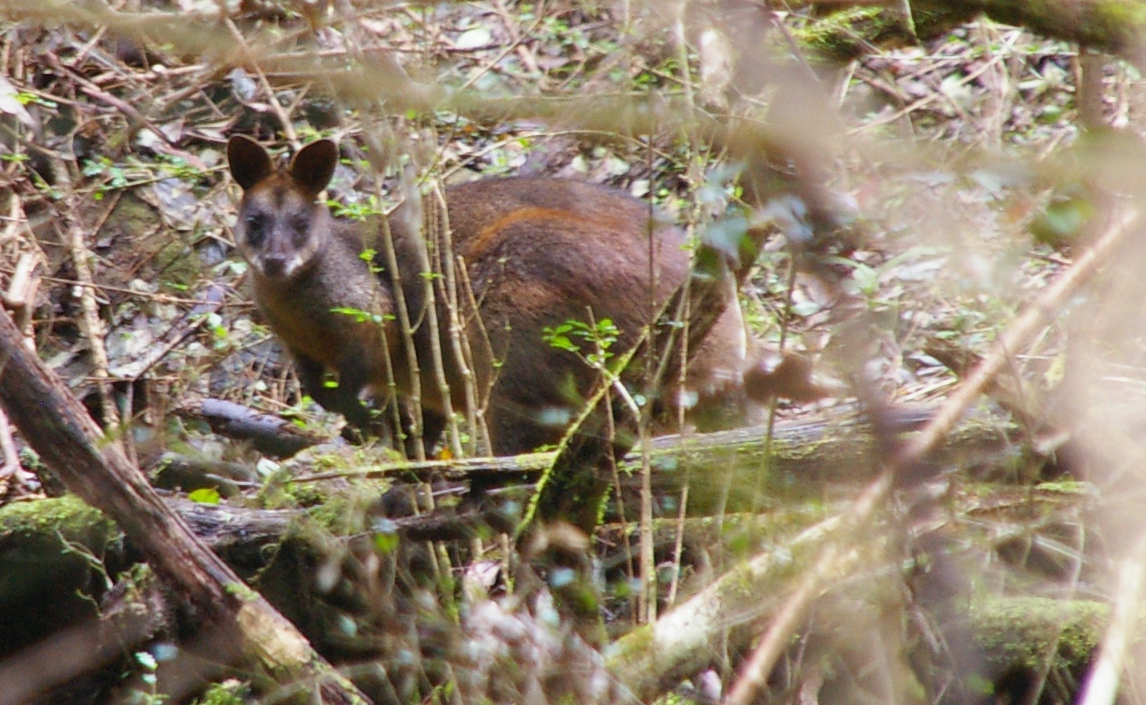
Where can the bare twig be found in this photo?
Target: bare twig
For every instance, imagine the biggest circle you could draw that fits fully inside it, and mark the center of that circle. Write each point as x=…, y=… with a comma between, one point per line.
x=92, y=324
x=436, y=249
x=211, y=301
x=20, y=298
x=408, y=217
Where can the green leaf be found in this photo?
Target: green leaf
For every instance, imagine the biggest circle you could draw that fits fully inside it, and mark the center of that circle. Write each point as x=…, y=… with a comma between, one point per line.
x=204, y=495
x=385, y=543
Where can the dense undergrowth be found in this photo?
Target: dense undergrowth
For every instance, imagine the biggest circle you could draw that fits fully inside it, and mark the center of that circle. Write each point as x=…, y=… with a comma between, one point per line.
x=918, y=200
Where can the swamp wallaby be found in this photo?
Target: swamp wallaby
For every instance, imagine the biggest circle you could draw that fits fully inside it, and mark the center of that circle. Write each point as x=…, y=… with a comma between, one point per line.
x=532, y=254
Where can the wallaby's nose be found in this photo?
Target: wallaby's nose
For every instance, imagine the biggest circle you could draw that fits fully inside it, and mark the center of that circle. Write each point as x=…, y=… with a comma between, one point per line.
x=274, y=265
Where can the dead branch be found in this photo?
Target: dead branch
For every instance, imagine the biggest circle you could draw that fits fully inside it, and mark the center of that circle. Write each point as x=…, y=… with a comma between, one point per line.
x=270, y=435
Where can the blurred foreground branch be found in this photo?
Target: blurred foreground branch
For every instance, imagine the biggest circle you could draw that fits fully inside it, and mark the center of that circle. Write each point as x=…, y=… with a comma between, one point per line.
x=910, y=459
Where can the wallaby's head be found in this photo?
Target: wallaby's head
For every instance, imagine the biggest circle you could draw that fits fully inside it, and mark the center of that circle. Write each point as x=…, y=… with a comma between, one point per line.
x=281, y=229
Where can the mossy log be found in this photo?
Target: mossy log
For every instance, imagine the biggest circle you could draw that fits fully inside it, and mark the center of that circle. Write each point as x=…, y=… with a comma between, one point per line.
x=749, y=467
x=1111, y=26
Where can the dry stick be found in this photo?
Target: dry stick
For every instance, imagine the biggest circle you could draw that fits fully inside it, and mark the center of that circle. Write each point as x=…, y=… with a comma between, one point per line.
x=647, y=602
x=175, y=334
x=14, y=219
x=514, y=43
x=82, y=54
x=21, y=295
x=921, y=103
x=862, y=513
x=480, y=428
x=789, y=293
x=58, y=427
x=480, y=431
x=690, y=103
x=428, y=247
x=1090, y=91
x=437, y=232
x=678, y=546
x=129, y=111
x=108, y=288
x=411, y=218
x=372, y=243
x=91, y=323
x=409, y=213
x=462, y=359
x=647, y=564
x=422, y=243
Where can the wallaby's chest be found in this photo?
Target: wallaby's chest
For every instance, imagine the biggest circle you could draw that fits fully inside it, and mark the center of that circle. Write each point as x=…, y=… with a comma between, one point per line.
x=312, y=319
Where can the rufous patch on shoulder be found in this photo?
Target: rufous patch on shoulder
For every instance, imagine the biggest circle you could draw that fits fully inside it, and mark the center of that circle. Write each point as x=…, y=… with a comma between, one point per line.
x=487, y=238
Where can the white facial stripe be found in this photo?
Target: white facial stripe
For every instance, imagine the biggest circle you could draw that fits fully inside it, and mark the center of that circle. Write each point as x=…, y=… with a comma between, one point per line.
x=295, y=263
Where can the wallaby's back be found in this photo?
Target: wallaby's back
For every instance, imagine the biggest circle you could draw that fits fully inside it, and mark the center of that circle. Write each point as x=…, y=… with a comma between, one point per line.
x=540, y=252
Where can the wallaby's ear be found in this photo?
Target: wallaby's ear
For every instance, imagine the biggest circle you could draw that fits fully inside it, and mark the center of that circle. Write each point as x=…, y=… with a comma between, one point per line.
x=249, y=162
x=313, y=166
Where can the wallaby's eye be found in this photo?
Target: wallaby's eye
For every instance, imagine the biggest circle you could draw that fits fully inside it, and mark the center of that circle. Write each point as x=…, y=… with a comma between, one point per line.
x=255, y=225
x=299, y=226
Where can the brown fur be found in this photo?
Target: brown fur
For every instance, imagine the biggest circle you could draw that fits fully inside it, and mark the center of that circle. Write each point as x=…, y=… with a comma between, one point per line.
x=538, y=252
